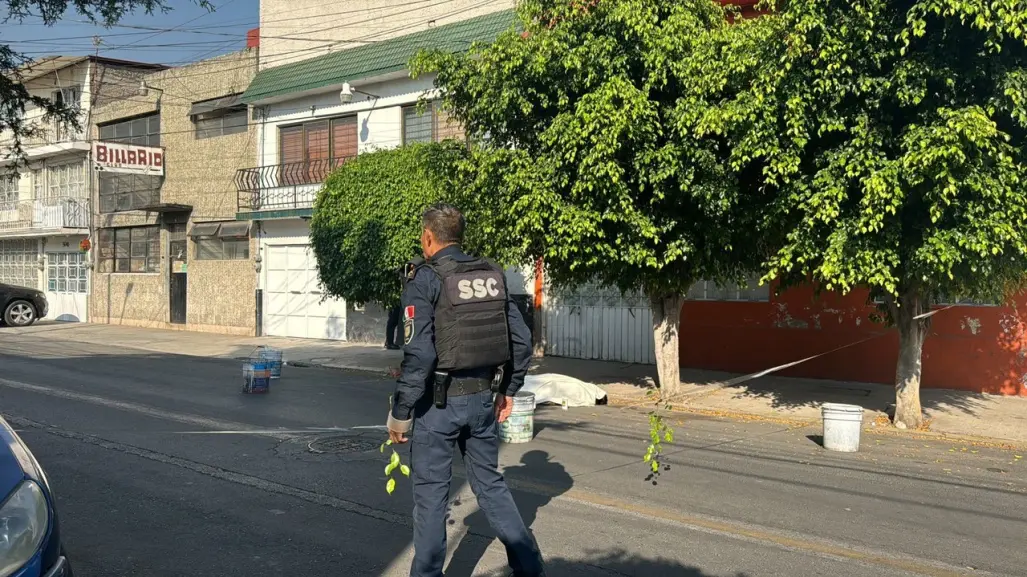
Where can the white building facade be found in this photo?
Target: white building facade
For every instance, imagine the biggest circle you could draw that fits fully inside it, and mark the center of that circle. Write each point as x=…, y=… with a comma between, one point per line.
x=45, y=212
x=314, y=115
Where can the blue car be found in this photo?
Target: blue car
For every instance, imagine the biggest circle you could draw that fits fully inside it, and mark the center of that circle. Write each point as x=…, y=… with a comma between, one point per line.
x=30, y=537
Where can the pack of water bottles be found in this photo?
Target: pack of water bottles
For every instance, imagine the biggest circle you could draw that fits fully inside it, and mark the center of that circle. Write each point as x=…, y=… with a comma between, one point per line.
x=263, y=365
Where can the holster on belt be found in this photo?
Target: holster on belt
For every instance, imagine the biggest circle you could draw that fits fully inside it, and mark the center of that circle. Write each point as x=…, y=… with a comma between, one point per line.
x=497, y=380
x=440, y=387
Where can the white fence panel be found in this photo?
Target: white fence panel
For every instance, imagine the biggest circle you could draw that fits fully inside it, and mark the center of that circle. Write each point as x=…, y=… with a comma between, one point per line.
x=598, y=323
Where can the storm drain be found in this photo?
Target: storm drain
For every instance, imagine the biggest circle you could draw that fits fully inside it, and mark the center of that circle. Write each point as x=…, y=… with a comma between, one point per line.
x=340, y=445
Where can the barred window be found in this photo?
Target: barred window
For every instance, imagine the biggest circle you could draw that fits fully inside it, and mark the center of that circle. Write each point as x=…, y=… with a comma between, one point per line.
x=8, y=190
x=418, y=126
x=18, y=264
x=144, y=131
x=120, y=192
x=221, y=241
x=134, y=249
x=221, y=123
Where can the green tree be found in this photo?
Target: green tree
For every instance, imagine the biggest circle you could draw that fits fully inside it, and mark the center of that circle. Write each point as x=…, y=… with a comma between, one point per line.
x=15, y=98
x=586, y=149
x=893, y=134
x=367, y=217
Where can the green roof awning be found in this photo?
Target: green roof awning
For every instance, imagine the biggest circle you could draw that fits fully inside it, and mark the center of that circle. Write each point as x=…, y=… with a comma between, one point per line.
x=375, y=59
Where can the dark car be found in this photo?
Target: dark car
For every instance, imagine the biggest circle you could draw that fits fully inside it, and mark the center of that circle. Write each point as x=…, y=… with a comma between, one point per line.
x=30, y=536
x=21, y=306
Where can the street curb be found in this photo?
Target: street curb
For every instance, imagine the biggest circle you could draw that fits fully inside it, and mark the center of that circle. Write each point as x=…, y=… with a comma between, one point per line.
x=314, y=365
x=996, y=442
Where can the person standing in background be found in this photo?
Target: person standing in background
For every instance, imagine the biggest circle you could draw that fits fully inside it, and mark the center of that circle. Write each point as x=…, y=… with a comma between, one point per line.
x=392, y=324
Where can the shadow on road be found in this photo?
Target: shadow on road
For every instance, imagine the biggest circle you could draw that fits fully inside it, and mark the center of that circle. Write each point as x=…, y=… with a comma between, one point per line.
x=534, y=465
x=617, y=563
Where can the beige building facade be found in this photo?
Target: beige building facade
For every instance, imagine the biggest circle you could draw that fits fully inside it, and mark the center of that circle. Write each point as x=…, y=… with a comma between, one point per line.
x=44, y=189
x=296, y=30
x=167, y=251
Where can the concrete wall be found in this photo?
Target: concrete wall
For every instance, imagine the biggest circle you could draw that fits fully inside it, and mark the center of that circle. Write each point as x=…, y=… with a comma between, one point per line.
x=975, y=348
x=292, y=30
x=198, y=173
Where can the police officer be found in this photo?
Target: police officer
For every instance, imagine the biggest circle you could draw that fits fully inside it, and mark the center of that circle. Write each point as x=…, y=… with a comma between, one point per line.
x=463, y=339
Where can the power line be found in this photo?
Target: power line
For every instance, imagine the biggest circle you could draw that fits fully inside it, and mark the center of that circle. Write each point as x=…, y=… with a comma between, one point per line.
x=287, y=55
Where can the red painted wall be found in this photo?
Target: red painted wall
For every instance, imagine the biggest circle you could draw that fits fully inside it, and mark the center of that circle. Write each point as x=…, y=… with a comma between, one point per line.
x=982, y=349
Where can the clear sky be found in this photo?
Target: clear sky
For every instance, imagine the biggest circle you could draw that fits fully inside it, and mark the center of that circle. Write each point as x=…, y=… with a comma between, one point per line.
x=185, y=34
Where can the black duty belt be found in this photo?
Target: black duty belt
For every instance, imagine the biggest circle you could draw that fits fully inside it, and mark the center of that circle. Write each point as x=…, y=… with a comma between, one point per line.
x=467, y=386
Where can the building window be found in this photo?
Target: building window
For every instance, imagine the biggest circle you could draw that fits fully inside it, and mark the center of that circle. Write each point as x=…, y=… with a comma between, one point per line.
x=59, y=182
x=418, y=126
x=135, y=249
x=120, y=192
x=8, y=190
x=310, y=151
x=18, y=263
x=431, y=125
x=710, y=291
x=221, y=241
x=66, y=272
x=143, y=131
x=221, y=122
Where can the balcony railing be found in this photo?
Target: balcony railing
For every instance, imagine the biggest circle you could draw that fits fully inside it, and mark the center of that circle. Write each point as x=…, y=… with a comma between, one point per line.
x=28, y=216
x=46, y=134
x=283, y=186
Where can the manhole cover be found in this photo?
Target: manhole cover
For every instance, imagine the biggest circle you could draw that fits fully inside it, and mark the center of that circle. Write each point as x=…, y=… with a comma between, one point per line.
x=339, y=444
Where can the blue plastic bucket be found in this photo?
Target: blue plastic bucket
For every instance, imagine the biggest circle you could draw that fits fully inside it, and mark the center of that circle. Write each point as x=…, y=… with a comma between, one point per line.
x=256, y=377
x=274, y=359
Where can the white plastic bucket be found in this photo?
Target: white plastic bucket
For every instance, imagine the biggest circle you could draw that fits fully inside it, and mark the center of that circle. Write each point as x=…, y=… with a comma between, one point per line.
x=842, y=426
x=519, y=427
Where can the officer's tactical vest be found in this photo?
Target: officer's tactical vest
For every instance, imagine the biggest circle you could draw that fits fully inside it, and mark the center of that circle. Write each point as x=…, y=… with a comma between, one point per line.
x=471, y=329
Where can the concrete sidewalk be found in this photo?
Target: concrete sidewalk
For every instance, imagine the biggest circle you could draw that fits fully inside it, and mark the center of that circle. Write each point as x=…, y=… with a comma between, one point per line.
x=721, y=394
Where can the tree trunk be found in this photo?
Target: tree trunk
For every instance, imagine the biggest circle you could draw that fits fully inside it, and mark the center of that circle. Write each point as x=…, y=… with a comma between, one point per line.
x=666, y=311
x=912, y=332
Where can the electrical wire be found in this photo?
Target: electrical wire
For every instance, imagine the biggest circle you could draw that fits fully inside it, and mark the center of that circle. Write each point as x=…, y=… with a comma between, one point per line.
x=369, y=39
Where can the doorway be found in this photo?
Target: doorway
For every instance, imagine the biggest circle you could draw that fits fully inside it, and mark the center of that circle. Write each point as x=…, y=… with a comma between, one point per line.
x=179, y=269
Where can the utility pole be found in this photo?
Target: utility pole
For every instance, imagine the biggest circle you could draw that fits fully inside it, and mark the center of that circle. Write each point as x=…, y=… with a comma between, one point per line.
x=94, y=89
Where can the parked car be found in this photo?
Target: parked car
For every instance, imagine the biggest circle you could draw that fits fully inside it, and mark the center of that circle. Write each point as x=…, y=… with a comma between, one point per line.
x=21, y=306
x=30, y=536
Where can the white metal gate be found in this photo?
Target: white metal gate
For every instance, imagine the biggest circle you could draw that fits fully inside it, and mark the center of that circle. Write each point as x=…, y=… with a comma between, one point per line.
x=598, y=323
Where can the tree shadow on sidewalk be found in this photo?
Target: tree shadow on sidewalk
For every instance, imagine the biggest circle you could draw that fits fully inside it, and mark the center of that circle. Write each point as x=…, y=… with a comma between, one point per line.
x=789, y=393
x=534, y=465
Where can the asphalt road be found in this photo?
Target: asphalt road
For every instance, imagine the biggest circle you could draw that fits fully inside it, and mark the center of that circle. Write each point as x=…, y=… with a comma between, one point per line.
x=162, y=467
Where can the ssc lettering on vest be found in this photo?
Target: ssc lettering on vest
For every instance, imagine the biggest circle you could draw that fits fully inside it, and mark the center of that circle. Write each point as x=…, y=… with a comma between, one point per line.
x=478, y=288
x=475, y=287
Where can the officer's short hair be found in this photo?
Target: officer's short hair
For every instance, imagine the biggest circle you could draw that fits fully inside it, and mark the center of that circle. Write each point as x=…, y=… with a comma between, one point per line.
x=446, y=222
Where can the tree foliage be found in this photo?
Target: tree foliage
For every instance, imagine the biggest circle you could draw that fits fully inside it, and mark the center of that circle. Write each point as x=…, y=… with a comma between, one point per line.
x=584, y=122
x=893, y=136
x=367, y=217
x=15, y=98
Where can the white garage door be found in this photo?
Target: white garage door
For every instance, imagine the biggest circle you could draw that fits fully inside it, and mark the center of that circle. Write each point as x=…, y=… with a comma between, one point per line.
x=292, y=304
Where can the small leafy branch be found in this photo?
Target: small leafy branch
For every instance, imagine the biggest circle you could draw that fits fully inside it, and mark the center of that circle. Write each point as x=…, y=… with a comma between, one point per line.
x=659, y=432
x=394, y=463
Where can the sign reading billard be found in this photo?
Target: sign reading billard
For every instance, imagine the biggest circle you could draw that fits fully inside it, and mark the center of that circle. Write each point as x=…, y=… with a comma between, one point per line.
x=116, y=157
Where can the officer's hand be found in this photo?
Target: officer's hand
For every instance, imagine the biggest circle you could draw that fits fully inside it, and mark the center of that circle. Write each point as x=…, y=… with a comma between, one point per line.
x=397, y=438
x=504, y=406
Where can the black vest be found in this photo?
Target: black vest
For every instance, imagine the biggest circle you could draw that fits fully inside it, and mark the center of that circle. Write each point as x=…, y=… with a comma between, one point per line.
x=471, y=329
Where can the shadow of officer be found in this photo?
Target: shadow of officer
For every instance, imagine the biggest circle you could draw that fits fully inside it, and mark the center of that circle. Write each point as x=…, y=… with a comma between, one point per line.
x=536, y=466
